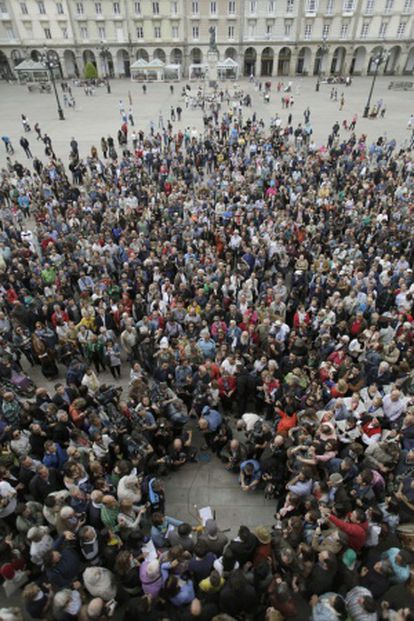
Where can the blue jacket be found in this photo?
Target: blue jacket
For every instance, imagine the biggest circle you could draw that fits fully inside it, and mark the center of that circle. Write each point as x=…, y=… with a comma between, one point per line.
x=185, y=595
x=67, y=569
x=55, y=460
x=213, y=417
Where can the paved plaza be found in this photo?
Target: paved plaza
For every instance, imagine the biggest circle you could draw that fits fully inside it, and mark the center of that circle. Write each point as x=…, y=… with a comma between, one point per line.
x=207, y=482
x=99, y=115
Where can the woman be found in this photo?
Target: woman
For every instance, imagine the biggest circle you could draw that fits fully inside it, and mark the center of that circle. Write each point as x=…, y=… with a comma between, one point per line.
x=43, y=343
x=113, y=358
x=37, y=600
x=129, y=518
x=66, y=605
x=100, y=582
x=104, y=147
x=22, y=342
x=127, y=567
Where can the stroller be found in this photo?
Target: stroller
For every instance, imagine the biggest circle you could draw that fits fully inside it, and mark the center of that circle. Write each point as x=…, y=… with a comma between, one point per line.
x=11, y=377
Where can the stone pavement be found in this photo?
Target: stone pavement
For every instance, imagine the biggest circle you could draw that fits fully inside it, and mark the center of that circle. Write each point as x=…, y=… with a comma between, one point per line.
x=99, y=116
x=211, y=484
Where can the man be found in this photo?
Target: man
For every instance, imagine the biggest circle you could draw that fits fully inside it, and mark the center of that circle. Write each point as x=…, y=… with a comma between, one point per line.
x=207, y=345
x=376, y=578
x=244, y=546
x=250, y=475
x=394, y=406
x=74, y=147
x=55, y=456
x=24, y=143
x=323, y=574
x=11, y=409
x=209, y=423
x=8, y=144
x=27, y=470
x=235, y=455
x=201, y=564
x=337, y=495
x=44, y=483
x=301, y=484
x=182, y=535
x=63, y=397
x=8, y=497
x=213, y=538
x=400, y=562
x=356, y=527
x=85, y=283
x=360, y=605
x=129, y=341
x=62, y=562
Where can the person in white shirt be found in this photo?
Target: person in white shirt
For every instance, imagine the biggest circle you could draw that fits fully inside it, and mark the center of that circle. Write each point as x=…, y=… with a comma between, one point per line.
x=394, y=406
x=248, y=421
x=229, y=364
x=40, y=543
x=8, y=499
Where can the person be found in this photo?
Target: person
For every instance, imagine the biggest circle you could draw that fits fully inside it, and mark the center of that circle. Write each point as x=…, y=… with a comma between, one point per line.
x=25, y=123
x=8, y=144
x=62, y=562
x=250, y=475
x=38, y=599
x=194, y=258
x=24, y=143
x=355, y=528
x=214, y=540
x=209, y=423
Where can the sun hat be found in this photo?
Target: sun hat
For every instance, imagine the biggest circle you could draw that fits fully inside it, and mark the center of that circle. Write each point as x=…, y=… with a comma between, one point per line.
x=263, y=534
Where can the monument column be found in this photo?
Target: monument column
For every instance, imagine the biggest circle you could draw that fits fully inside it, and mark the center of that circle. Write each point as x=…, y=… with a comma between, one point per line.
x=212, y=59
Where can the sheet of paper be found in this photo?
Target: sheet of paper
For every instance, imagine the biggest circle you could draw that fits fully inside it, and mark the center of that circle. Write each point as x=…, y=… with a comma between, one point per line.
x=205, y=513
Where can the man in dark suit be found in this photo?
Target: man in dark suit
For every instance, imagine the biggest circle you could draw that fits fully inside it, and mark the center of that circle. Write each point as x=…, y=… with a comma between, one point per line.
x=27, y=471
x=104, y=319
x=63, y=397
x=44, y=483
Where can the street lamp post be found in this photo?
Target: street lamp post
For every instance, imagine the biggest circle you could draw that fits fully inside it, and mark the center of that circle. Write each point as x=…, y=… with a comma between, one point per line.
x=381, y=57
x=51, y=65
x=104, y=55
x=324, y=49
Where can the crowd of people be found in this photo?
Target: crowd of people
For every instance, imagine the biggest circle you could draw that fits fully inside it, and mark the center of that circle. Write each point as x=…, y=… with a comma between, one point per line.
x=256, y=291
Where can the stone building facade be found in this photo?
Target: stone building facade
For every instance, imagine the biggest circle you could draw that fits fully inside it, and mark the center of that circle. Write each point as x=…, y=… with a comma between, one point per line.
x=266, y=37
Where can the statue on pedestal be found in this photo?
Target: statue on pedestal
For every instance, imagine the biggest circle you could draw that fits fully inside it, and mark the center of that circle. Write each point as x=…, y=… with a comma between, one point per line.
x=212, y=42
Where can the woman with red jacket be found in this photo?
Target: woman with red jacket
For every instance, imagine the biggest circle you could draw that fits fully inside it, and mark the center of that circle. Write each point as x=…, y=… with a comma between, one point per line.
x=286, y=422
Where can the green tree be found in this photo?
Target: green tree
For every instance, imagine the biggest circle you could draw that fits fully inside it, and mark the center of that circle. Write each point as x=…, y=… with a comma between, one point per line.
x=90, y=71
